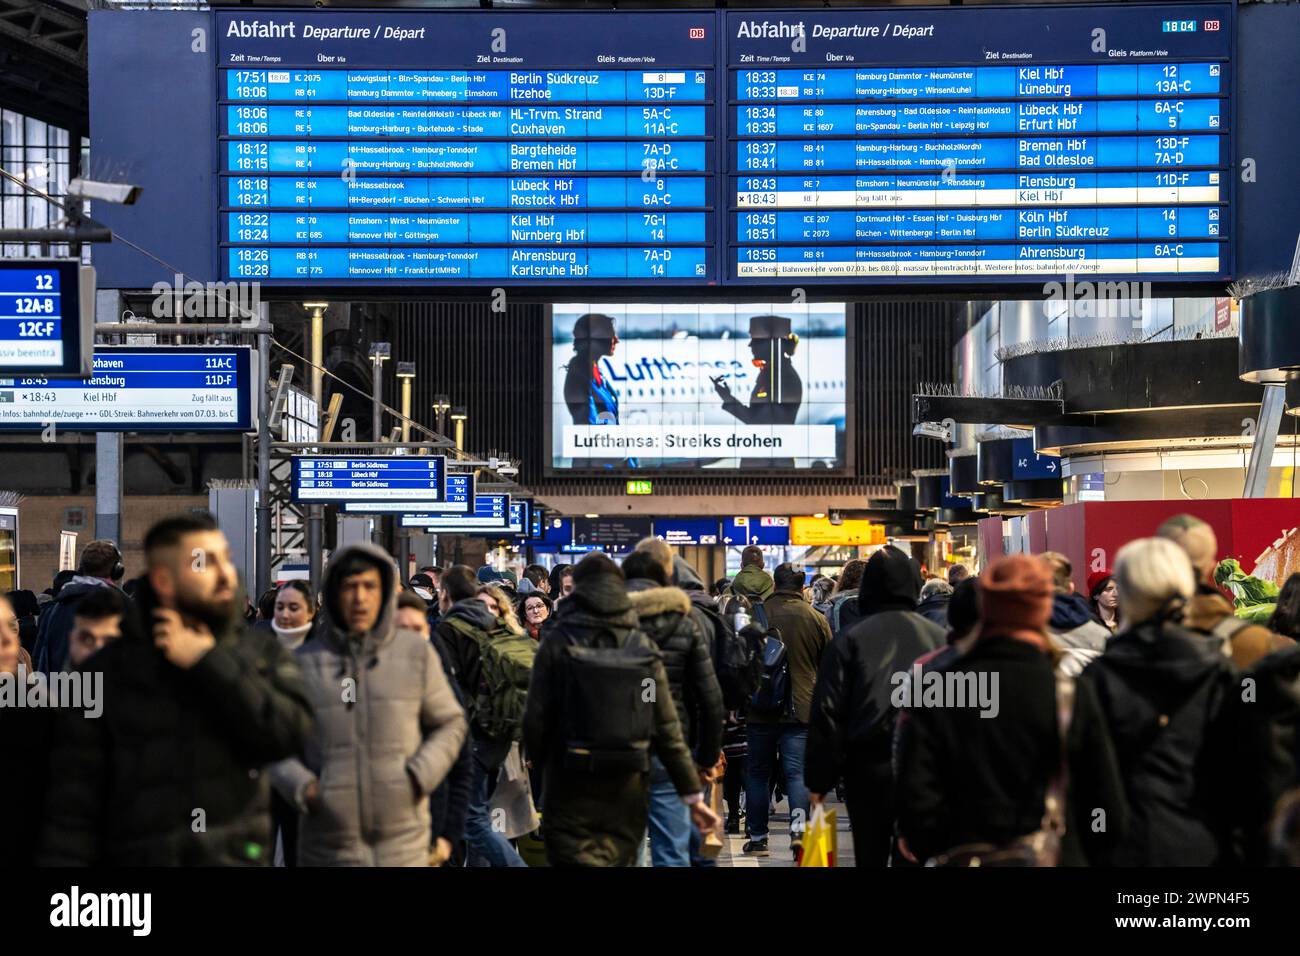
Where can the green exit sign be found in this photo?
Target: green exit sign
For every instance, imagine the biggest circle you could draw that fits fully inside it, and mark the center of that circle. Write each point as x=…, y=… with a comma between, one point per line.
x=640, y=488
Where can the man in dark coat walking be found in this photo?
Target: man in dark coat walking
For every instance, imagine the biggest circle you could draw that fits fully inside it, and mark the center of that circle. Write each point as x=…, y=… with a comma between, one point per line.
x=852, y=723
x=599, y=818
x=171, y=773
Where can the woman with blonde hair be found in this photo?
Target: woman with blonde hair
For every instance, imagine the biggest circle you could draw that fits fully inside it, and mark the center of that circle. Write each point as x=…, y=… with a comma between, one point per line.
x=1167, y=696
x=501, y=605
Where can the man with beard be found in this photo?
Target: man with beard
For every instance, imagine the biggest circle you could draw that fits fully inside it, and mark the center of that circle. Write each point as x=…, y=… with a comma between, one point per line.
x=194, y=708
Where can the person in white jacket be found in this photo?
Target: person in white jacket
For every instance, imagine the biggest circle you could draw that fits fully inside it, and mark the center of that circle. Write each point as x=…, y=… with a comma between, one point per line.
x=388, y=726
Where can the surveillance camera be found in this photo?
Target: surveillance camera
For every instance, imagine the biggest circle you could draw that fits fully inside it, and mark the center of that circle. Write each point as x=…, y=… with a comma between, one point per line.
x=123, y=194
x=931, y=430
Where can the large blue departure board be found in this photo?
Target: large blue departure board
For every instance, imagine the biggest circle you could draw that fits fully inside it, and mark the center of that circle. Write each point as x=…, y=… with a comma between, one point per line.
x=979, y=144
x=962, y=145
x=464, y=147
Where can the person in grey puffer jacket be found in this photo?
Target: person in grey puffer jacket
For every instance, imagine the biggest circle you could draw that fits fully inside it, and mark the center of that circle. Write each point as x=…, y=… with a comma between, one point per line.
x=388, y=727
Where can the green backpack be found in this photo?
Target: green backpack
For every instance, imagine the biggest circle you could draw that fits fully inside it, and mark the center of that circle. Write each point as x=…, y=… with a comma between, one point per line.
x=497, y=709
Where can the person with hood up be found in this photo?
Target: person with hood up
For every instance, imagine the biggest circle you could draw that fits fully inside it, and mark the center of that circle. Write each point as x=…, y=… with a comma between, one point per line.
x=28, y=610
x=194, y=708
x=978, y=763
x=1208, y=611
x=384, y=743
x=1072, y=625
x=100, y=567
x=851, y=725
x=1168, y=696
x=597, y=816
x=933, y=602
x=665, y=616
x=752, y=581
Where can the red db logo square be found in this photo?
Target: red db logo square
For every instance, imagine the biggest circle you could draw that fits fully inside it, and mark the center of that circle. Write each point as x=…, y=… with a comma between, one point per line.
x=697, y=33
x=1211, y=26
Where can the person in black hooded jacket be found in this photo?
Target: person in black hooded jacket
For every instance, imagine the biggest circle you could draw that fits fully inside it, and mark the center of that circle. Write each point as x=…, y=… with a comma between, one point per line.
x=850, y=734
x=598, y=818
x=194, y=707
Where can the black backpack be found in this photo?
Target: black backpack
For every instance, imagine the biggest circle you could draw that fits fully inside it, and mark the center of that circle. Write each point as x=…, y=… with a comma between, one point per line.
x=737, y=658
x=609, y=709
x=734, y=602
x=775, y=694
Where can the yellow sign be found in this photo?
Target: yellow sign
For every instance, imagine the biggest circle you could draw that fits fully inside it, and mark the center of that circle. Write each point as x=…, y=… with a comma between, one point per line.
x=814, y=531
x=640, y=487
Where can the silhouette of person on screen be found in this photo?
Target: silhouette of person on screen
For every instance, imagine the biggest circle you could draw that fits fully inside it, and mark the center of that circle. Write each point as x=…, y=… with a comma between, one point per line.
x=778, y=392
x=590, y=397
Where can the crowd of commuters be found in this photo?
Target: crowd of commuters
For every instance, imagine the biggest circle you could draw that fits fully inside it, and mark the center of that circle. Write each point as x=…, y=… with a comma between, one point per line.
x=602, y=711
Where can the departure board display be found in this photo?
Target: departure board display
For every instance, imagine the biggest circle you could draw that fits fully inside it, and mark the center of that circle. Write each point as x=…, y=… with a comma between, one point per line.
x=395, y=478
x=978, y=144
x=467, y=147
x=42, y=329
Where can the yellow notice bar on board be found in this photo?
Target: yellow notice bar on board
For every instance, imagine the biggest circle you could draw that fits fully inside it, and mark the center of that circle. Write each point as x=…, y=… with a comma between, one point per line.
x=814, y=531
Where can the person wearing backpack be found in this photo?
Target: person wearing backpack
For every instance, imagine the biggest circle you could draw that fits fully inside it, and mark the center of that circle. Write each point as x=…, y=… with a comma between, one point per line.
x=599, y=707
x=493, y=665
x=777, y=719
x=850, y=736
x=752, y=581
x=388, y=727
x=665, y=615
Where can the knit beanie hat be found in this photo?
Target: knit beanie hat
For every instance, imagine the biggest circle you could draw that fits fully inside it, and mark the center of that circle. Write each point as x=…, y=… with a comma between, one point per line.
x=1016, y=598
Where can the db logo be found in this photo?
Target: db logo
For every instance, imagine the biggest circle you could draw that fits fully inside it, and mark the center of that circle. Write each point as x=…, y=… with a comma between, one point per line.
x=1211, y=26
x=697, y=33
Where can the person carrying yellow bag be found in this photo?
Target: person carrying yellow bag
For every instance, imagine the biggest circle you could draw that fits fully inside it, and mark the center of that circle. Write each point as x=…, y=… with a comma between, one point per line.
x=820, y=839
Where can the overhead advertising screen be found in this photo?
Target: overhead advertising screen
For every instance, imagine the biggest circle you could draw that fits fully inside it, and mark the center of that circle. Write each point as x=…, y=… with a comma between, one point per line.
x=46, y=316
x=171, y=388
x=979, y=144
x=464, y=147
x=491, y=513
x=460, y=497
x=397, y=478
x=645, y=387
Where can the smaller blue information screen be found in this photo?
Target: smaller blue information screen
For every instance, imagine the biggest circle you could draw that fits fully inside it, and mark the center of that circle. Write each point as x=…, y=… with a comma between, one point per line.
x=172, y=388
x=337, y=480
x=491, y=513
x=40, y=317
x=460, y=496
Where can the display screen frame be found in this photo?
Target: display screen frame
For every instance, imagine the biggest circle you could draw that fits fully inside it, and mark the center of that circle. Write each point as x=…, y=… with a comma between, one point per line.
x=77, y=288
x=846, y=468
